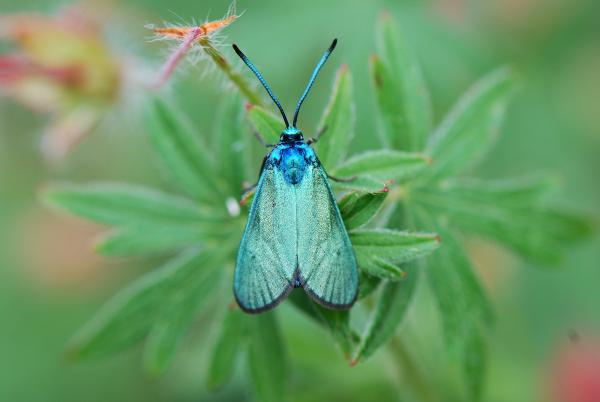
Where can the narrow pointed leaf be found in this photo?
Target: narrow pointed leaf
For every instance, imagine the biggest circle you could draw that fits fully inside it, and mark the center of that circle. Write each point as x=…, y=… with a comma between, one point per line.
x=509, y=192
x=339, y=326
x=122, y=204
x=267, y=359
x=358, y=209
x=460, y=298
x=265, y=123
x=470, y=128
x=227, y=347
x=135, y=241
x=474, y=365
x=402, y=95
x=380, y=251
x=131, y=315
x=185, y=156
x=391, y=308
x=337, y=322
x=541, y=234
x=179, y=310
x=464, y=309
x=338, y=121
x=368, y=284
x=382, y=164
x=363, y=184
x=514, y=214
x=232, y=144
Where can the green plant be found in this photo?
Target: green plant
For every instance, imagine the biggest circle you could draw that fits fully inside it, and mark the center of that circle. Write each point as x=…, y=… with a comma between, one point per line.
x=202, y=229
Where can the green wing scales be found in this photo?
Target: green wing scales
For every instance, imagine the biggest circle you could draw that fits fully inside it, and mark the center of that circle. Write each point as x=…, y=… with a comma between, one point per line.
x=295, y=237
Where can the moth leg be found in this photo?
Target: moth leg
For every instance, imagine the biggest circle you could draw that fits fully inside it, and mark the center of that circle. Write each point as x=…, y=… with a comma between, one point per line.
x=262, y=140
x=247, y=193
x=342, y=180
x=314, y=139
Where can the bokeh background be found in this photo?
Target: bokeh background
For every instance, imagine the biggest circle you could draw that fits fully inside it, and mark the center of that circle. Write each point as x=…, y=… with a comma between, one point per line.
x=51, y=282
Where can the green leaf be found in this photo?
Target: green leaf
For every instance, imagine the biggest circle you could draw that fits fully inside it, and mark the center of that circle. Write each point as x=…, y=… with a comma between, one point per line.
x=182, y=151
x=368, y=284
x=265, y=123
x=143, y=240
x=121, y=204
x=402, y=95
x=391, y=308
x=358, y=209
x=338, y=121
x=464, y=309
x=177, y=315
x=468, y=131
x=460, y=298
x=147, y=306
x=541, y=234
x=382, y=164
x=511, y=212
x=232, y=144
x=337, y=322
x=380, y=251
x=362, y=184
x=227, y=347
x=508, y=192
x=474, y=364
x=134, y=241
x=267, y=359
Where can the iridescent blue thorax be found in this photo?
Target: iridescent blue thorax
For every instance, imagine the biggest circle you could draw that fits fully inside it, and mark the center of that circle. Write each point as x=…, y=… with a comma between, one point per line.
x=291, y=155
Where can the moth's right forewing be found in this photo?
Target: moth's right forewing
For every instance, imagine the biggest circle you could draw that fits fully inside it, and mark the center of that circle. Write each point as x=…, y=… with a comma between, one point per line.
x=326, y=259
x=266, y=261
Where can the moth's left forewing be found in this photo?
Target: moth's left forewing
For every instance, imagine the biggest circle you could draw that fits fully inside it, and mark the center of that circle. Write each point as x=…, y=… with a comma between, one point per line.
x=266, y=262
x=326, y=261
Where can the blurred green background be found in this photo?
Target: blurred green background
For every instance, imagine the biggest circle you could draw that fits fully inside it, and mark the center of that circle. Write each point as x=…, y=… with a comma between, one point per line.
x=51, y=282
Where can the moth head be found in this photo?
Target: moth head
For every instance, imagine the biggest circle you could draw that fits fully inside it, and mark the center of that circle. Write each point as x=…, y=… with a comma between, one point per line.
x=291, y=134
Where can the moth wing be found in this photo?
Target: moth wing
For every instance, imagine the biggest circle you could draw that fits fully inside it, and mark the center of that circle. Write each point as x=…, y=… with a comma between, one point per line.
x=326, y=261
x=266, y=262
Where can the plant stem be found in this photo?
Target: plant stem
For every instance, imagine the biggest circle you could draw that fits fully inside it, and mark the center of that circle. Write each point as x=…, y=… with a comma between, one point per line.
x=235, y=77
x=176, y=57
x=411, y=373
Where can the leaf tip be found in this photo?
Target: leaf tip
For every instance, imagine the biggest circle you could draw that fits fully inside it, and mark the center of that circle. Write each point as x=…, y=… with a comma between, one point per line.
x=244, y=200
x=47, y=194
x=99, y=244
x=353, y=362
x=385, y=15
x=249, y=106
x=574, y=336
x=386, y=186
x=72, y=353
x=438, y=238
x=70, y=356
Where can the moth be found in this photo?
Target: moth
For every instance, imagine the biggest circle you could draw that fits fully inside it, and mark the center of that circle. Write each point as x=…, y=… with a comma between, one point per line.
x=295, y=236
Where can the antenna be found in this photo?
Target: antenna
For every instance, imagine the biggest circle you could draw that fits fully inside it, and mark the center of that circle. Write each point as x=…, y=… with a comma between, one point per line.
x=262, y=81
x=312, y=79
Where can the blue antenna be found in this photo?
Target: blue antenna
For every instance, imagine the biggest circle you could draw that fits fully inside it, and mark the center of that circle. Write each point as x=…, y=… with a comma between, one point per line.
x=262, y=81
x=312, y=79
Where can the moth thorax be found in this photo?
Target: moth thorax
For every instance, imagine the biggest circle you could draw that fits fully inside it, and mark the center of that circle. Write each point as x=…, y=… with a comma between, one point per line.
x=293, y=165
